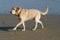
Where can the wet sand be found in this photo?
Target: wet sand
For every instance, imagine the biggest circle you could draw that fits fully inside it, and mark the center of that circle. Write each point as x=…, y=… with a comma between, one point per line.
x=50, y=32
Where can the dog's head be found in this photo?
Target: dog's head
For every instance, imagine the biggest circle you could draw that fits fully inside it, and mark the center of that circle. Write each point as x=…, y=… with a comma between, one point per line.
x=15, y=10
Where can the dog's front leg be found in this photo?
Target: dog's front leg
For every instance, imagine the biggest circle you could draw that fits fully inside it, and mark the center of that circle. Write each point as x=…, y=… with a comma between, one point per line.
x=17, y=25
x=23, y=26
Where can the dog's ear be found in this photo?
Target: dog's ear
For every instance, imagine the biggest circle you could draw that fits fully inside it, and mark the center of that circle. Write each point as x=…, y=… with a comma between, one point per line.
x=46, y=7
x=17, y=8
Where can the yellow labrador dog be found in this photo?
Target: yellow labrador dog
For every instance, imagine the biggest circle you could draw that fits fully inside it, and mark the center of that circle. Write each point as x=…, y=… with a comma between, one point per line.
x=28, y=14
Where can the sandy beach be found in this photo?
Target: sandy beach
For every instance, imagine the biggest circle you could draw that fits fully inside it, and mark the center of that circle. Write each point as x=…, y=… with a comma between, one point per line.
x=50, y=32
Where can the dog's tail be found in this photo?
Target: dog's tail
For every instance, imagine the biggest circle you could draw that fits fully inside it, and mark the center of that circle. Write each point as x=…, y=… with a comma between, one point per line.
x=46, y=12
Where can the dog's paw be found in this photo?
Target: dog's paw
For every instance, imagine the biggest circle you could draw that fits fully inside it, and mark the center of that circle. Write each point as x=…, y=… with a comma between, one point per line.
x=23, y=29
x=14, y=29
x=33, y=29
x=42, y=27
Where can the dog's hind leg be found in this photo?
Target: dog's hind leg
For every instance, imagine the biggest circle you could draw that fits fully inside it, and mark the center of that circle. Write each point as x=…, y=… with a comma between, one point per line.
x=38, y=21
x=41, y=23
x=35, y=26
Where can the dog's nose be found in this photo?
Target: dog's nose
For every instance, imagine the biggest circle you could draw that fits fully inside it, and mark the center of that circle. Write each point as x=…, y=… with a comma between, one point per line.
x=10, y=12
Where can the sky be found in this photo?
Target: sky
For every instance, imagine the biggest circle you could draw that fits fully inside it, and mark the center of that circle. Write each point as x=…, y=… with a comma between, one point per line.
x=53, y=5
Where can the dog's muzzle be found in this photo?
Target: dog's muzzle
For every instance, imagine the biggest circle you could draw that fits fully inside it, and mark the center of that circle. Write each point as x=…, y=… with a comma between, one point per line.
x=10, y=12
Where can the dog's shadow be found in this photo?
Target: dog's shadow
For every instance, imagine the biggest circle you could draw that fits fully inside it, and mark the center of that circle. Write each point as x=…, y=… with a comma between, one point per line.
x=9, y=28
x=5, y=28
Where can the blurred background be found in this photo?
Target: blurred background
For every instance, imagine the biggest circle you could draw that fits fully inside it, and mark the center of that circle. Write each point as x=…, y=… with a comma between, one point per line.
x=51, y=21
x=54, y=5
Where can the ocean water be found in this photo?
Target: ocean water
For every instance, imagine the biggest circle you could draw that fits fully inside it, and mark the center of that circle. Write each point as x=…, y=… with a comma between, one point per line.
x=54, y=5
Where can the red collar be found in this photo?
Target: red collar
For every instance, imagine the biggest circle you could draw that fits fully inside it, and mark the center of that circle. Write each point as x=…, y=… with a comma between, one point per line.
x=19, y=13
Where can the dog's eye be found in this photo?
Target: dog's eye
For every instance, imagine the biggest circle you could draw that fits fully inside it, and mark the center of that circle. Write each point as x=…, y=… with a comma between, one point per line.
x=13, y=8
